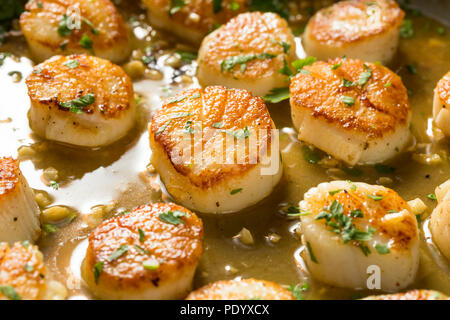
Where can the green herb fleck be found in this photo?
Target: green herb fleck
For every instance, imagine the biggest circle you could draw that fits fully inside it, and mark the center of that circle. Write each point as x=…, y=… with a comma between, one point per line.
x=229, y=63
x=77, y=105
x=277, y=95
x=375, y=197
x=176, y=5
x=50, y=228
x=382, y=248
x=217, y=125
x=54, y=185
x=432, y=196
x=172, y=217
x=141, y=250
x=297, y=290
x=406, y=29
x=86, y=42
x=28, y=267
x=234, y=191
x=365, y=76
x=310, y=155
x=349, y=101
x=72, y=64
x=150, y=264
x=141, y=235
x=98, y=268
x=10, y=292
x=311, y=253
x=118, y=253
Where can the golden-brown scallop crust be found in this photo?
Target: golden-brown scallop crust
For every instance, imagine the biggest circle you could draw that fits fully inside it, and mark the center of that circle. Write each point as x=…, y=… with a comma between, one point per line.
x=355, y=14
x=208, y=20
x=443, y=88
x=9, y=175
x=235, y=109
x=245, y=289
x=110, y=25
x=401, y=233
x=175, y=246
x=380, y=106
x=247, y=34
x=411, y=295
x=22, y=267
x=53, y=82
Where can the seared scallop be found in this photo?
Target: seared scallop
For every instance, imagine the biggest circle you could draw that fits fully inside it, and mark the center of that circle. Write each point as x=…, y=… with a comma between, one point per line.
x=411, y=295
x=199, y=17
x=355, y=230
x=150, y=253
x=245, y=289
x=362, y=29
x=80, y=100
x=215, y=149
x=357, y=112
x=54, y=27
x=19, y=212
x=441, y=104
x=23, y=275
x=252, y=51
x=440, y=219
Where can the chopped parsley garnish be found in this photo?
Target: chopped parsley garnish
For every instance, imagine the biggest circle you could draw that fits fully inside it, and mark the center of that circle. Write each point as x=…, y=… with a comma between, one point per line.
x=382, y=248
x=297, y=290
x=195, y=96
x=217, y=125
x=234, y=191
x=387, y=84
x=98, y=268
x=72, y=64
x=311, y=253
x=39, y=5
x=229, y=63
x=67, y=24
x=432, y=196
x=336, y=66
x=54, y=185
x=286, y=46
x=286, y=70
x=349, y=101
x=239, y=134
x=301, y=63
x=172, y=217
x=77, y=105
x=188, y=127
x=141, y=235
x=293, y=211
x=9, y=292
x=150, y=264
x=141, y=250
x=277, y=6
x=187, y=56
x=180, y=115
x=375, y=197
x=277, y=95
x=365, y=76
x=234, y=6
x=50, y=228
x=342, y=224
x=17, y=74
x=163, y=127
x=310, y=155
x=118, y=253
x=176, y=5
x=347, y=83
x=333, y=192
x=406, y=29
x=217, y=5
x=25, y=243
x=94, y=30
x=440, y=31
x=86, y=42
x=356, y=213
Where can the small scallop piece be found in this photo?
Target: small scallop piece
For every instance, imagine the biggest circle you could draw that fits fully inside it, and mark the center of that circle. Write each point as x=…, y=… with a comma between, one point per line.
x=362, y=29
x=441, y=104
x=19, y=212
x=148, y=254
x=53, y=27
x=80, y=100
x=245, y=289
x=213, y=149
x=23, y=274
x=248, y=53
x=357, y=112
x=440, y=219
x=198, y=16
x=353, y=226
x=411, y=295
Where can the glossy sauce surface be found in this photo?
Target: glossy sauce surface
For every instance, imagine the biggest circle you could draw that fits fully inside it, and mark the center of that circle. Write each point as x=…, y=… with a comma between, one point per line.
x=118, y=174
